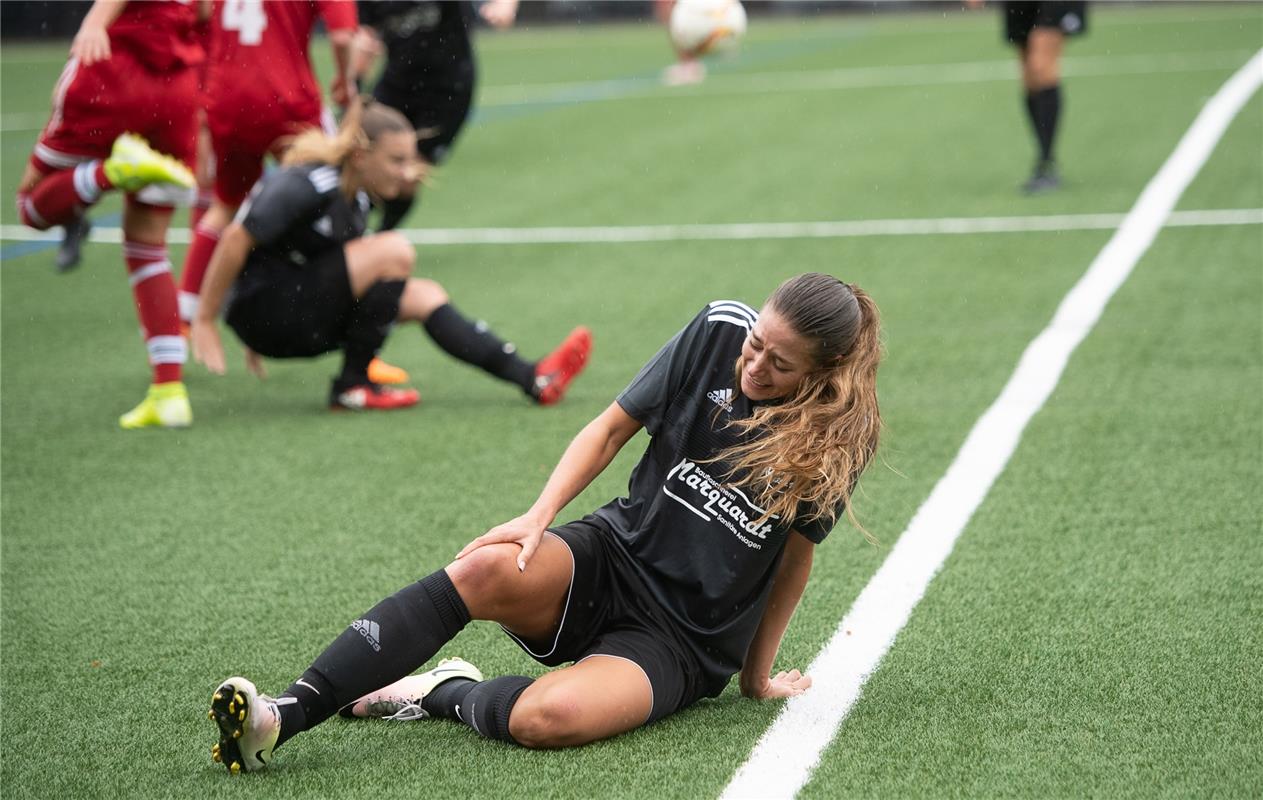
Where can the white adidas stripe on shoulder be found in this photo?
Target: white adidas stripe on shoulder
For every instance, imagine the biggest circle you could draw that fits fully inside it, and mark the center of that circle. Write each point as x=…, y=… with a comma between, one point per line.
x=734, y=311
x=324, y=178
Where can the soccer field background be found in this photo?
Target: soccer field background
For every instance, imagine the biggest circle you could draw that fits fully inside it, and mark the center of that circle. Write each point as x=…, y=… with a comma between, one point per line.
x=1096, y=630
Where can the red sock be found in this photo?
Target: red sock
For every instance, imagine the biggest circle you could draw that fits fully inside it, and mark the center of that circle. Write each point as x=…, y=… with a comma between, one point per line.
x=149, y=271
x=195, y=263
x=204, y=197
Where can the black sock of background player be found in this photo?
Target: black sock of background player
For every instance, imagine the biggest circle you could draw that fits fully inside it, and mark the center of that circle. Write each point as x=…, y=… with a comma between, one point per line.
x=366, y=330
x=1044, y=109
x=474, y=343
x=394, y=210
x=388, y=642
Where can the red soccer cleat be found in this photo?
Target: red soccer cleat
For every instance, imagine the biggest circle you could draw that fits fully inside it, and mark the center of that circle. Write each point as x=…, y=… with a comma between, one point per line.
x=556, y=370
x=372, y=397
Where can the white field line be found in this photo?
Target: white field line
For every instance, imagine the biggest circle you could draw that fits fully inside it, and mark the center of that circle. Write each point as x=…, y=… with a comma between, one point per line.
x=626, y=234
x=785, y=757
x=857, y=78
x=802, y=80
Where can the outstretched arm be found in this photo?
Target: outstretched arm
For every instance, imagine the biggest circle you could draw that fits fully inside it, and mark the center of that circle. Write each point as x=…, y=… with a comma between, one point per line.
x=791, y=578
x=225, y=265
x=587, y=456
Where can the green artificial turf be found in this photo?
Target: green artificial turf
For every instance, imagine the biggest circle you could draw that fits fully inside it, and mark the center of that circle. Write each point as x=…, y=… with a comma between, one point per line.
x=1096, y=631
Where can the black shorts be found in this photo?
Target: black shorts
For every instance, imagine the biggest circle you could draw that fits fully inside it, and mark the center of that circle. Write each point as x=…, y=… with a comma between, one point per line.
x=1021, y=18
x=280, y=309
x=436, y=105
x=609, y=613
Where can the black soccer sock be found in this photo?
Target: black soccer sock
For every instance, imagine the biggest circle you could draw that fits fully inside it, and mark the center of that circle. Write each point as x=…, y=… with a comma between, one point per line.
x=394, y=210
x=444, y=699
x=366, y=330
x=488, y=704
x=1044, y=108
x=474, y=343
x=388, y=642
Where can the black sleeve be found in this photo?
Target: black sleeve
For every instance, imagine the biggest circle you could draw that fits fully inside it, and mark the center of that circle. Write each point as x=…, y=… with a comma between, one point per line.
x=371, y=13
x=817, y=530
x=284, y=198
x=650, y=393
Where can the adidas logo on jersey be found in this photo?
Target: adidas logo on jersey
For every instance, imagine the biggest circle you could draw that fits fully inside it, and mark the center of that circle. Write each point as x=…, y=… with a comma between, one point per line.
x=721, y=398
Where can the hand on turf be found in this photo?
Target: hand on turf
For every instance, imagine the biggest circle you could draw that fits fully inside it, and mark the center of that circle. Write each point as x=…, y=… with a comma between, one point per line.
x=782, y=684
x=90, y=46
x=525, y=531
x=207, y=347
x=254, y=363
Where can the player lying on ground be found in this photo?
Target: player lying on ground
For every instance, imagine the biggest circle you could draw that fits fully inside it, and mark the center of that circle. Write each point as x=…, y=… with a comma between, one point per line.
x=760, y=426
x=306, y=281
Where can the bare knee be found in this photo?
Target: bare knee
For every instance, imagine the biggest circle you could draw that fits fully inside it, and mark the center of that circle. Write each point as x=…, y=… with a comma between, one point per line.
x=548, y=717
x=398, y=256
x=1041, y=61
x=485, y=579
x=420, y=299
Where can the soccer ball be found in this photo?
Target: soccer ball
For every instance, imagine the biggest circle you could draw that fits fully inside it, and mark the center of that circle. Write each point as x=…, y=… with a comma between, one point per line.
x=703, y=26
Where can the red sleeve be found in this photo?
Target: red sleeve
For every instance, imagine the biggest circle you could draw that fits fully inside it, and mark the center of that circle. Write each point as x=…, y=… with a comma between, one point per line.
x=339, y=15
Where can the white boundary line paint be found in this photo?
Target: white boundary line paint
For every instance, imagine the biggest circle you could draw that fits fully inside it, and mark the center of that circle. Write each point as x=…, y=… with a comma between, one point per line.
x=785, y=757
x=734, y=231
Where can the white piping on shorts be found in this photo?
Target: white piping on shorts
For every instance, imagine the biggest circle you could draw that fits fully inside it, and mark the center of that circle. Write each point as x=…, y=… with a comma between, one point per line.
x=652, y=699
x=564, y=611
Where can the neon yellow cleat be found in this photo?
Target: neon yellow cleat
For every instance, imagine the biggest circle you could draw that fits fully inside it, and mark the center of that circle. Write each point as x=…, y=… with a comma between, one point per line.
x=133, y=165
x=166, y=405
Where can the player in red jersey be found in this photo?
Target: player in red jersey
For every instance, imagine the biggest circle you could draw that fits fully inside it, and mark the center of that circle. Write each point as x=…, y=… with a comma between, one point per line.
x=260, y=91
x=130, y=78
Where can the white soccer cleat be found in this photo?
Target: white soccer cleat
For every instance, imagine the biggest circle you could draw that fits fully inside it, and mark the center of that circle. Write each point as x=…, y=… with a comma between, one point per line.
x=401, y=700
x=249, y=724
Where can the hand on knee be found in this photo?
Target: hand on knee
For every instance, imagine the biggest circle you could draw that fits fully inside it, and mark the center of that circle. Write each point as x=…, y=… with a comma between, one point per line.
x=488, y=579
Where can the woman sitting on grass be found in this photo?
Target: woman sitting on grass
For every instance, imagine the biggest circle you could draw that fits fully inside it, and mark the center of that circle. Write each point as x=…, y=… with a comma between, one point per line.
x=760, y=426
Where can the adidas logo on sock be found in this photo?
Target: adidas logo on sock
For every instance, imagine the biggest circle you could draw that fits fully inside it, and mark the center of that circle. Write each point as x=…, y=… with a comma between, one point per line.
x=370, y=631
x=722, y=398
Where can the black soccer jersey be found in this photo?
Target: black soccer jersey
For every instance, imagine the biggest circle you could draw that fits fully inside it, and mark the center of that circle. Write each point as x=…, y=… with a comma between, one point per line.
x=425, y=41
x=696, y=543
x=297, y=213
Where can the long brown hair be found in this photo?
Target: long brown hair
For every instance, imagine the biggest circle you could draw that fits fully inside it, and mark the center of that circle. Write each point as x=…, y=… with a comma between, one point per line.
x=360, y=129
x=812, y=447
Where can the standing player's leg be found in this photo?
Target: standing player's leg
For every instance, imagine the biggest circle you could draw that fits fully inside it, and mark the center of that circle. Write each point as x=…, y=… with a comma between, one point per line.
x=1041, y=78
x=438, y=114
x=153, y=289
x=391, y=640
x=237, y=163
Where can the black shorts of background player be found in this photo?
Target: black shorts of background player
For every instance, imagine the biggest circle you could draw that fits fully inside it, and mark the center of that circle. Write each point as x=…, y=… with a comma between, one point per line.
x=301, y=279
x=657, y=598
x=1039, y=31
x=429, y=75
